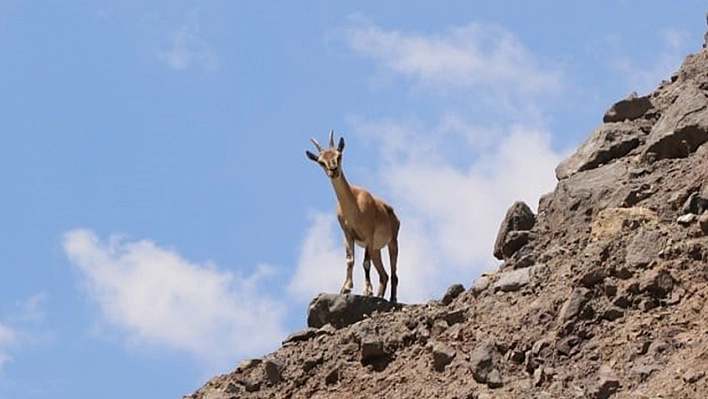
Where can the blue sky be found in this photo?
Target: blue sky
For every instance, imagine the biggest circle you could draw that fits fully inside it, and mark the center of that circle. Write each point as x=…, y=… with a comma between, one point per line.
x=160, y=221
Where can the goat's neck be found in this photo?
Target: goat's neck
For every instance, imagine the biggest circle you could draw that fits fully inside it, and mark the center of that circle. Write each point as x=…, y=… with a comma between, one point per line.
x=346, y=197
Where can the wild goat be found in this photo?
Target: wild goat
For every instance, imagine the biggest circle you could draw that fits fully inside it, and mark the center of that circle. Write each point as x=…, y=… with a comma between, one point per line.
x=365, y=220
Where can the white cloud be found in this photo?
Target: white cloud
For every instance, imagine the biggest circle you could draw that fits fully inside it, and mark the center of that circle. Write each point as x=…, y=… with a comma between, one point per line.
x=644, y=77
x=21, y=327
x=452, y=181
x=321, y=265
x=159, y=298
x=32, y=309
x=8, y=339
x=188, y=48
x=478, y=55
x=450, y=214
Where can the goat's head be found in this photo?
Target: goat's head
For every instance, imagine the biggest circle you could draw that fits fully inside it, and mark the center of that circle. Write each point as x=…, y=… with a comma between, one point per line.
x=329, y=159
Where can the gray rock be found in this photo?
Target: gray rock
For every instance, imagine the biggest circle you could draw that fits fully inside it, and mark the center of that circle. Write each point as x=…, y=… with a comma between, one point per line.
x=371, y=349
x=452, y=292
x=332, y=377
x=494, y=379
x=455, y=316
x=301, y=336
x=687, y=219
x=607, y=384
x=480, y=285
x=658, y=283
x=575, y=303
x=612, y=314
x=343, y=310
x=645, y=371
x=248, y=364
x=644, y=248
x=519, y=217
x=631, y=108
x=681, y=129
x=513, y=280
x=695, y=204
x=693, y=376
x=606, y=143
x=703, y=223
x=482, y=361
x=274, y=370
x=442, y=355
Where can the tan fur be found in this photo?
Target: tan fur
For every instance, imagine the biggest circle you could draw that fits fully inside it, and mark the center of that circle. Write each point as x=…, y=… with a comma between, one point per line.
x=365, y=220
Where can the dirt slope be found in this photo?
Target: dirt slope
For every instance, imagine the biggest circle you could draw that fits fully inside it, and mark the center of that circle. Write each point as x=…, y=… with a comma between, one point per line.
x=604, y=296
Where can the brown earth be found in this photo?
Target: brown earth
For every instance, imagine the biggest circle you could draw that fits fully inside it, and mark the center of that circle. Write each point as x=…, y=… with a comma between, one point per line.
x=603, y=295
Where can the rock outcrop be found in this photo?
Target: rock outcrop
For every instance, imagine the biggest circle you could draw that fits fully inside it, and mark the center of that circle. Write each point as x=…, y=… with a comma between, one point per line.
x=604, y=297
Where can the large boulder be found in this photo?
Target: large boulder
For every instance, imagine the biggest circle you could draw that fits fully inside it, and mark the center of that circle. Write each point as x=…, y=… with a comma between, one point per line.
x=512, y=233
x=608, y=142
x=682, y=128
x=631, y=108
x=343, y=310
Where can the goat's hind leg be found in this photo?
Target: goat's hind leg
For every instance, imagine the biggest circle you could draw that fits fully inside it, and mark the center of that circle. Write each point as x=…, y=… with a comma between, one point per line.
x=368, y=289
x=383, y=276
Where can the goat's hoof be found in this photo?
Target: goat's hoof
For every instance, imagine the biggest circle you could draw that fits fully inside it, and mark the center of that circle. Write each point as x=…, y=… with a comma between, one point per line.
x=345, y=291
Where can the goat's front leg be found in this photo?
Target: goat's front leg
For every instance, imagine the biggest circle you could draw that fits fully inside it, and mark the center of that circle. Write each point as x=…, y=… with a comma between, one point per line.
x=348, y=281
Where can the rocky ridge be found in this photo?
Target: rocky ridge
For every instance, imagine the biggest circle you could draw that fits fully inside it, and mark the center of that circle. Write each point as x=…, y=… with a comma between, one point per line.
x=601, y=294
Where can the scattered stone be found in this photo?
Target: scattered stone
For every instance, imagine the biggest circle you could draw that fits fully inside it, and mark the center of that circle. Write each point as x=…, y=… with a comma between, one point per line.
x=480, y=285
x=494, y=379
x=371, y=349
x=607, y=383
x=572, y=307
x=519, y=217
x=695, y=204
x=301, y=336
x=442, y=355
x=248, y=364
x=703, y=223
x=452, y=292
x=327, y=329
x=439, y=327
x=332, y=377
x=612, y=314
x=514, y=241
x=687, y=219
x=658, y=283
x=644, y=372
x=542, y=375
x=631, y=108
x=565, y=345
x=593, y=277
x=692, y=376
x=644, y=248
x=455, y=316
x=311, y=363
x=482, y=362
x=512, y=280
x=344, y=310
x=273, y=369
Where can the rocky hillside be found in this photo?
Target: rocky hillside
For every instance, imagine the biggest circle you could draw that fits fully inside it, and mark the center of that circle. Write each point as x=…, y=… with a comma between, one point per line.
x=601, y=294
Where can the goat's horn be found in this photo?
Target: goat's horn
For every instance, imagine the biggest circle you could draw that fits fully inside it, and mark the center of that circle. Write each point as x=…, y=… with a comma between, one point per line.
x=331, y=139
x=317, y=144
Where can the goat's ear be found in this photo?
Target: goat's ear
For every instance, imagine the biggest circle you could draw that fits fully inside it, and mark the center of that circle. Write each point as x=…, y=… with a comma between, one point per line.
x=312, y=156
x=340, y=147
